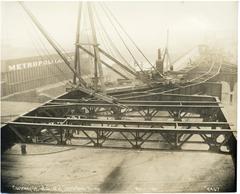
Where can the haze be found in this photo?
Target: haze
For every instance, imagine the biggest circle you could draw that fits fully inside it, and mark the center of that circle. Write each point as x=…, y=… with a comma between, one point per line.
x=189, y=24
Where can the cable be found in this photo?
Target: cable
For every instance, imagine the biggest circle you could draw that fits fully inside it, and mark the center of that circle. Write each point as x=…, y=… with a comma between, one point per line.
x=110, y=40
x=135, y=60
x=132, y=40
x=34, y=41
x=109, y=50
x=104, y=43
x=49, y=56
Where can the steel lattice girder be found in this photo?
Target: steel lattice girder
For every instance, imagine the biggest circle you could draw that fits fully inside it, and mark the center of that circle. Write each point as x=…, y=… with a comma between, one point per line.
x=32, y=124
x=77, y=94
x=76, y=100
x=209, y=88
x=213, y=89
x=124, y=123
x=98, y=110
x=131, y=102
x=98, y=136
x=147, y=111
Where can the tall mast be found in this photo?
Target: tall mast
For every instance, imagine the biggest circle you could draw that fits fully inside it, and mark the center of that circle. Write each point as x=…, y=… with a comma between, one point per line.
x=168, y=60
x=77, y=54
x=97, y=61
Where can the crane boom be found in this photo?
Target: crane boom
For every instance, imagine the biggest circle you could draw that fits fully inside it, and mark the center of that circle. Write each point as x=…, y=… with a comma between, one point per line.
x=40, y=27
x=103, y=62
x=118, y=62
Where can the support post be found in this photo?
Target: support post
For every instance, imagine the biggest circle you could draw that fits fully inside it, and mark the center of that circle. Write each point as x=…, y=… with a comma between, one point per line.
x=97, y=61
x=77, y=54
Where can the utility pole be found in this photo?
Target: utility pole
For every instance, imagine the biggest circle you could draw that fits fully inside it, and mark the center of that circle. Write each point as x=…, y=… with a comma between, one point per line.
x=77, y=51
x=97, y=61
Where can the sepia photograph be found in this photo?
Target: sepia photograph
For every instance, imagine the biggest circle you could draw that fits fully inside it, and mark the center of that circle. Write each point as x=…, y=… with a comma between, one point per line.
x=119, y=96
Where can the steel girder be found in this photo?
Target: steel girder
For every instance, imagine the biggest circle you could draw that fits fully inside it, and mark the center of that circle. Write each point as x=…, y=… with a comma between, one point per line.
x=77, y=94
x=124, y=123
x=146, y=111
x=207, y=88
x=122, y=137
x=171, y=122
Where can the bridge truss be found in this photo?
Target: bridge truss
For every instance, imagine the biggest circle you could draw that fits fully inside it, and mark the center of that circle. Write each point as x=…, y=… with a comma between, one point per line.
x=176, y=122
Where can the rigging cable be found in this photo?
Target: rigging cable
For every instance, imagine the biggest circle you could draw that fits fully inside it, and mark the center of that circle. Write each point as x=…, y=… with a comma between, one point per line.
x=135, y=60
x=108, y=49
x=104, y=5
x=111, y=42
x=49, y=56
x=38, y=52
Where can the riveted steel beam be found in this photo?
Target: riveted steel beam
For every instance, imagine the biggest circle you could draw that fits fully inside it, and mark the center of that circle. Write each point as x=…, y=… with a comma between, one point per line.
x=137, y=137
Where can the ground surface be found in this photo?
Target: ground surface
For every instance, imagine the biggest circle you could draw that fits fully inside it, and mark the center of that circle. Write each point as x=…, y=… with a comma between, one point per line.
x=64, y=169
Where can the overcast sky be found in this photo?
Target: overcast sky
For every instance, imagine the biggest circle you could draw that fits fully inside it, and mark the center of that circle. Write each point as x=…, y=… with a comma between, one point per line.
x=189, y=24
